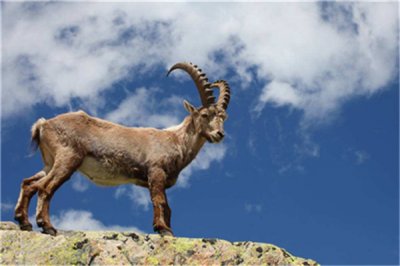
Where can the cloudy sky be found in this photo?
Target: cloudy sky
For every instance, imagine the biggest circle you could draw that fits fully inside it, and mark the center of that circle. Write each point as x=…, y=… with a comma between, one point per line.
x=310, y=161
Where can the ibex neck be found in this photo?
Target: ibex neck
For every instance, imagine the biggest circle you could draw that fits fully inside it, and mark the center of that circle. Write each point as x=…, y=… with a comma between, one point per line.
x=190, y=140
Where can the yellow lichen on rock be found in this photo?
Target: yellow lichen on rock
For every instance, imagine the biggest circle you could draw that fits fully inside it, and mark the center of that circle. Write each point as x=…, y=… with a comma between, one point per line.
x=182, y=245
x=128, y=248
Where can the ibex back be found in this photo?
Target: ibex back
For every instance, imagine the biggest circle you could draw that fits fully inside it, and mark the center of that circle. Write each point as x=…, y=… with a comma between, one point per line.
x=110, y=154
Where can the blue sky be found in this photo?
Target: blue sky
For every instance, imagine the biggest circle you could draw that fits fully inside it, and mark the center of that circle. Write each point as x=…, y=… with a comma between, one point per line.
x=310, y=161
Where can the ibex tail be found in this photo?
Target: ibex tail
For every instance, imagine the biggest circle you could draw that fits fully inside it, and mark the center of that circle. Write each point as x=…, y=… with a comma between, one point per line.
x=35, y=139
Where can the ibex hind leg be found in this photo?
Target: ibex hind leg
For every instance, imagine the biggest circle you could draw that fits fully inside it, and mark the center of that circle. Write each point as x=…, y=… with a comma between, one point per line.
x=25, y=196
x=66, y=163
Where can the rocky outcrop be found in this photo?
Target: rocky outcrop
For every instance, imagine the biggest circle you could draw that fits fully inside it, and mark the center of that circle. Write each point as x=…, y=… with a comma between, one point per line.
x=126, y=248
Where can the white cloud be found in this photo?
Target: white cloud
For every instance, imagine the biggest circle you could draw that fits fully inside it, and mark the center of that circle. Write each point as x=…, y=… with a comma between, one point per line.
x=250, y=207
x=312, y=56
x=5, y=207
x=307, y=147
x=280, y=93
x=80, y=183
x=329, y=62
x=56, y=52
x=84, y=221
x=361, y=156
x=140, y=196
x=140, y=109
x=356, y=156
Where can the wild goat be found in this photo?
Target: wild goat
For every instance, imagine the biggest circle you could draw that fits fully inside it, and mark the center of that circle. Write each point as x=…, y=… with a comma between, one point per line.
x=110, y=154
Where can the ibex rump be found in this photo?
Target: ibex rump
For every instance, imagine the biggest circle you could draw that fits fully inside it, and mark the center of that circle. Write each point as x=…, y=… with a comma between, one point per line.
x=111, y=154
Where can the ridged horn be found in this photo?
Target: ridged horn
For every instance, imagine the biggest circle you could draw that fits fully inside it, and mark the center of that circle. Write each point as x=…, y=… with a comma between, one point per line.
x=200, y=79
x=224, y=93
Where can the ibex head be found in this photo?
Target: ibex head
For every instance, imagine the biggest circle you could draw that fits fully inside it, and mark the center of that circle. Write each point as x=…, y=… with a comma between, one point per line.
x=209, y=119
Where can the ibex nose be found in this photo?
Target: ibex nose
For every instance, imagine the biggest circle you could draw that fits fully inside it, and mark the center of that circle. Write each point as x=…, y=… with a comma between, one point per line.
x=221, y=134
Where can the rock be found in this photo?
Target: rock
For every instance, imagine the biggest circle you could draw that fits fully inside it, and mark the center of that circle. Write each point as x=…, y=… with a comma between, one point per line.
x=8, y=226
x=111, y=248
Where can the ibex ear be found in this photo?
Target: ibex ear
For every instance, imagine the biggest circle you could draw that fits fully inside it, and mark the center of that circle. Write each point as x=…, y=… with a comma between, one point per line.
x=190, y=108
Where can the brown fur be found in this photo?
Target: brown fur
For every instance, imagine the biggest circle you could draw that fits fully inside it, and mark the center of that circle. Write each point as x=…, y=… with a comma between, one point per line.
x=111, y=154
x=143, y=156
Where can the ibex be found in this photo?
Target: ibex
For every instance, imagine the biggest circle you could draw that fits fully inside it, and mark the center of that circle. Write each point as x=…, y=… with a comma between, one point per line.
x=110, y=154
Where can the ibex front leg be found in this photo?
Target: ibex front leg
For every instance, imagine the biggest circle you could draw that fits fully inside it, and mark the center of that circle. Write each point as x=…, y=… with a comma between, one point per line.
x=162, y=212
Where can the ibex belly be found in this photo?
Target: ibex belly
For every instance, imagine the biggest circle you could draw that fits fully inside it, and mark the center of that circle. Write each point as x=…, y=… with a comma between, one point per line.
x=102, y=173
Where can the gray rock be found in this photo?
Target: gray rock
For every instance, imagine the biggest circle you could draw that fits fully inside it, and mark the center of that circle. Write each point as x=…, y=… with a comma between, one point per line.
x=127, y=248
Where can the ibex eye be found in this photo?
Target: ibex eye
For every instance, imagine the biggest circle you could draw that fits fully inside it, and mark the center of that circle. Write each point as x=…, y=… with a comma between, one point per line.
x=204, y=115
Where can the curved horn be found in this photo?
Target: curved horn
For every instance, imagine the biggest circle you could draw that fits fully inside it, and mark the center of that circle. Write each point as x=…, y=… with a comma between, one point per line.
x=224, y=93
x=200, y=79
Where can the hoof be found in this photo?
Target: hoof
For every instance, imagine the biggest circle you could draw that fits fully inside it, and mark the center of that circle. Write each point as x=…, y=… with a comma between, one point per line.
x=40, y=222
x=18, y=218
x=49, y=231
x=164, y=232
x=25, y=227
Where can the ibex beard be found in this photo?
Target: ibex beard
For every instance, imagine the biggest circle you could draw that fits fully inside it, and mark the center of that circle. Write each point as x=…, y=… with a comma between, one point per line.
x=110, y=154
